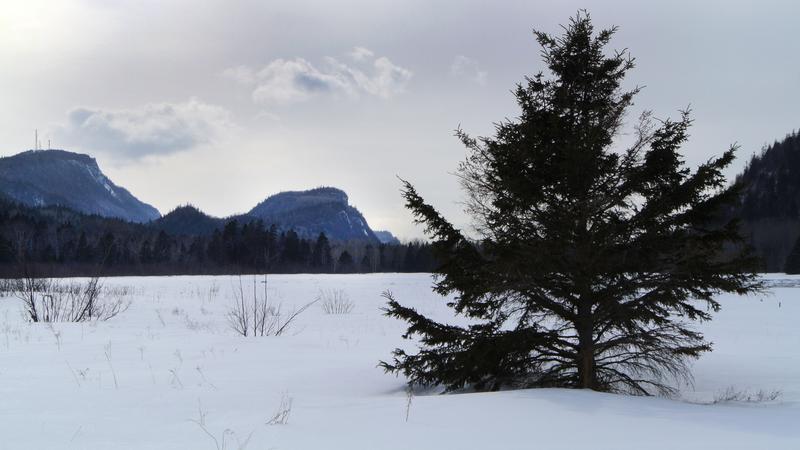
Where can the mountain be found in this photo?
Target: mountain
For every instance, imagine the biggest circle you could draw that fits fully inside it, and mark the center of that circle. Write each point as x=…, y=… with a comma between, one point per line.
x=770, y=203
x=188, y=220
x=39, y=178
x=311, y=212
x=57, y=241
x=386, y=237
x=73, y=180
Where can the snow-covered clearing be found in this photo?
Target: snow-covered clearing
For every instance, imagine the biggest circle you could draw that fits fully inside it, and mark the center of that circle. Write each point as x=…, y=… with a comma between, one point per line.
x=148, y=378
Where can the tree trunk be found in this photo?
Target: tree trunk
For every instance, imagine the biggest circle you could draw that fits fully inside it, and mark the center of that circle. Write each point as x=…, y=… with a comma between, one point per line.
x=585, y=356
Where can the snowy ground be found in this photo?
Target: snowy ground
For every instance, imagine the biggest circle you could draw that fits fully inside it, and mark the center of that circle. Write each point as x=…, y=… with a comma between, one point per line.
x=176, y=362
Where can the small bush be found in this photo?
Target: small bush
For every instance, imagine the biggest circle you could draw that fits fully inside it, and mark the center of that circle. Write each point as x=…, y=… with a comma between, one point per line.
x=223, y=442
x=213, y=292
x=732, y=394
x=335, y=301
x=6, y=287
x=255, y=315
x=281, y=416
x=51, y=300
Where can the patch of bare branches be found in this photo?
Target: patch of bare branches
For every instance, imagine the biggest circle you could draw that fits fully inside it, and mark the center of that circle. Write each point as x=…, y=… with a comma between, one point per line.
x=732, y=394
x=252, y=313
x=281, y=416
x=335, y=301
x=54, y=300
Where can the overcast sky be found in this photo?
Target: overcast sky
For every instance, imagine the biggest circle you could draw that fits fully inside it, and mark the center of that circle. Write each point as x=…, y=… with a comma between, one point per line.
x=222, y=103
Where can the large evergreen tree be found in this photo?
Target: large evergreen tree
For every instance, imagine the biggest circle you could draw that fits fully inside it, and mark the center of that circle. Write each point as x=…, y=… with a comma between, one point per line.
x=321, y=254
x=792, y=266
x=591, y=260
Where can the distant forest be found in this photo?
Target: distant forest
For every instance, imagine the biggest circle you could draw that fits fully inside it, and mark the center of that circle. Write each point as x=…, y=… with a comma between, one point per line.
x=56, y=241
x=770, y=204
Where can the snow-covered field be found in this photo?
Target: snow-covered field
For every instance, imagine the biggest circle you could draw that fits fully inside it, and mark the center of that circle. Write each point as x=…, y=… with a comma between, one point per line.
x=147, y=378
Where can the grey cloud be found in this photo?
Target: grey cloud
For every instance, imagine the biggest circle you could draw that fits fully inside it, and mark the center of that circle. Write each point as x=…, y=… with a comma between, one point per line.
x=153, y=129
x=312, y=83
x=285, y=81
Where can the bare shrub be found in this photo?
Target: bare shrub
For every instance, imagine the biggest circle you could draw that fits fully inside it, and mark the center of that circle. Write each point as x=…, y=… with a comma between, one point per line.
x=281, y=416
x=113, y=372
x=335, y=301
x=213, y=292
x=56, y=335
x=255, y=315
x=6, y=286
x=196, y=325
x=220, y=443
x=733, y=394
x=51, y=300
x=121, y=291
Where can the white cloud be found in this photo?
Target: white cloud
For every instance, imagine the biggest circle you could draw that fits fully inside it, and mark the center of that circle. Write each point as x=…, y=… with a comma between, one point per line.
x=289, y=81
x=465, y=67
x=390, y=79
x=361, y=54
x=285, y=81
x=153, y=129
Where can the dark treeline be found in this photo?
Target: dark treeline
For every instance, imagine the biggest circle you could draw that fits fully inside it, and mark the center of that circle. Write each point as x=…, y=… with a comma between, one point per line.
x=770, y=204
x=772, y=179
x=60, y=242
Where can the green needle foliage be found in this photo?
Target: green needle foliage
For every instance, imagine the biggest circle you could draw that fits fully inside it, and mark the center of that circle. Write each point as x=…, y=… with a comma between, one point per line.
x=591, y=261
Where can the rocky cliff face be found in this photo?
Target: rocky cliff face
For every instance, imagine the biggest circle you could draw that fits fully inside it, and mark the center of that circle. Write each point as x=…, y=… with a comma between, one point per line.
x=58, y=177
x=386, y=237
x=314, y=211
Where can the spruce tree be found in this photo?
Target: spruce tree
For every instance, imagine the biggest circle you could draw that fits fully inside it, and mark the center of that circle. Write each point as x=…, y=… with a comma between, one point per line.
x=590, y=260
x=6, y=250
x=792, y=266
x=321, y=255
x=84, y=252
x=291, y=253
x=346, y=262
x=146, y=252
x=108, y=249
x=162, y=247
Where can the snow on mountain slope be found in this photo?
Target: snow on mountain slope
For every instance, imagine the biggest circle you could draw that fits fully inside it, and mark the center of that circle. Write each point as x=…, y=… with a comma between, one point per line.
x=176, y=363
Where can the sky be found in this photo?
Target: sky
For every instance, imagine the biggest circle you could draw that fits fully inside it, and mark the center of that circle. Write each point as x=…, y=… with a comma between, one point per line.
x=223, y=103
